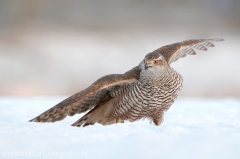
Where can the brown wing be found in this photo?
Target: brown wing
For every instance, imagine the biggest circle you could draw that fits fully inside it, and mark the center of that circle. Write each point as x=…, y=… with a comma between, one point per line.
x=82, y=101
x=177, y=50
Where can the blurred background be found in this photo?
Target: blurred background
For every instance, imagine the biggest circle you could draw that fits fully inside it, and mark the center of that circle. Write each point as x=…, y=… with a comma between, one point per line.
x=60, y=47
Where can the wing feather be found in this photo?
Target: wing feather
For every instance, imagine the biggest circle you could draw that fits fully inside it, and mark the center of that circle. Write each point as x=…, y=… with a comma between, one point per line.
x=82, y=101
x=178, y=50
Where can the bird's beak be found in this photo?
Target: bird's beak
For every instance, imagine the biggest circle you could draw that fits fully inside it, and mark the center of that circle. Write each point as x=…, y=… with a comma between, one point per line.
x=147, y=64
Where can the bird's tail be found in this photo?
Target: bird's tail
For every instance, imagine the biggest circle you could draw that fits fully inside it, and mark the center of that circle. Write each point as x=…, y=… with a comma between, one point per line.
x=99, y=114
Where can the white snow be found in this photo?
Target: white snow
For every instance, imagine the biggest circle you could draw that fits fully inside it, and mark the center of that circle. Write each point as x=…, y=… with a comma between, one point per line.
x=194, y=128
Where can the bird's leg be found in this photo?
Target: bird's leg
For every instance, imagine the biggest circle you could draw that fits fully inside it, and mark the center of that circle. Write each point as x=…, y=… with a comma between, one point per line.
x=158, y=119
x=117, y=119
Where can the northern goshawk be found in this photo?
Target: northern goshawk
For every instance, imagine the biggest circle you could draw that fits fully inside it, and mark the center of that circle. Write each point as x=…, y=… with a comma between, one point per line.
x=146, y=91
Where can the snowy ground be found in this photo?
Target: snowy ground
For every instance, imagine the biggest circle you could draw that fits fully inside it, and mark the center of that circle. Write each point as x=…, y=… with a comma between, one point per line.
x=193, y=128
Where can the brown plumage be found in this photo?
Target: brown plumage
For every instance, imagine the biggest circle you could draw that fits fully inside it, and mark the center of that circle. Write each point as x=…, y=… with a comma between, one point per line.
x=146, y=91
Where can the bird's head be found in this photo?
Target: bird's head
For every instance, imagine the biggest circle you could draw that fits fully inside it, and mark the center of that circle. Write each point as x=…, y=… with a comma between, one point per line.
x=153, y=66
x=154, y=62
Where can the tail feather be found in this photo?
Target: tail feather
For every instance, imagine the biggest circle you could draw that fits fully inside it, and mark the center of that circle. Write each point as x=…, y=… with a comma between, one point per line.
x=99, y=114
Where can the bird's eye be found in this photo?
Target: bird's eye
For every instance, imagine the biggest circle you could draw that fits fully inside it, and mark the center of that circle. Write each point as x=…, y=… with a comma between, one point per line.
x=155, y=62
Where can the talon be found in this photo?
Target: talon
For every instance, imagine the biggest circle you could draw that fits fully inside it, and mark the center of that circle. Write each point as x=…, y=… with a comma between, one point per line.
x=117, y=120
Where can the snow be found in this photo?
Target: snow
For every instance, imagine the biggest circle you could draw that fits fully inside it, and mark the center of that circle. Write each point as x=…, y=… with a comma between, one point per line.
x=193, y=128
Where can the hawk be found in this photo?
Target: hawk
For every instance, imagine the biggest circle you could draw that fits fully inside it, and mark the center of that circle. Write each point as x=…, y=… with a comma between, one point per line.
x=146, y=91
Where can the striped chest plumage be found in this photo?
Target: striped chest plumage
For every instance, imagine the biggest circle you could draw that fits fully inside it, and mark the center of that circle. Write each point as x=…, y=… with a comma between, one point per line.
x=148, y=99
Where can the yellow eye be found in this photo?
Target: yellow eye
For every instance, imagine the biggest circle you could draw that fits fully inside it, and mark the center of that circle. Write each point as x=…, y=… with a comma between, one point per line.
x=155, y=62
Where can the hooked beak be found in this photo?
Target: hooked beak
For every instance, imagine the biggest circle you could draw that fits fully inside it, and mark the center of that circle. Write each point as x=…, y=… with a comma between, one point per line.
x=147, y=64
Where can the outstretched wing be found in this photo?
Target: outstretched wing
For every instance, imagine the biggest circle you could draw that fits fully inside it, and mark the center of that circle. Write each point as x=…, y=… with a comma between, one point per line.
x=82, y=101
x=178, y=50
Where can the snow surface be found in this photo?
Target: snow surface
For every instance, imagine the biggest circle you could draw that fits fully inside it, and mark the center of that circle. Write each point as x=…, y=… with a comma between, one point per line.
x=194, y=128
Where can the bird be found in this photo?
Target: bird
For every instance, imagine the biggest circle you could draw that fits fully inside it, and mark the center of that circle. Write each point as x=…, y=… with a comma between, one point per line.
x=144, y=92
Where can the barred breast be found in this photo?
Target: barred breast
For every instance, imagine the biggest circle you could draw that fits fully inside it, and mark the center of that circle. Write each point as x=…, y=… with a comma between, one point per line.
x=148, y=99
